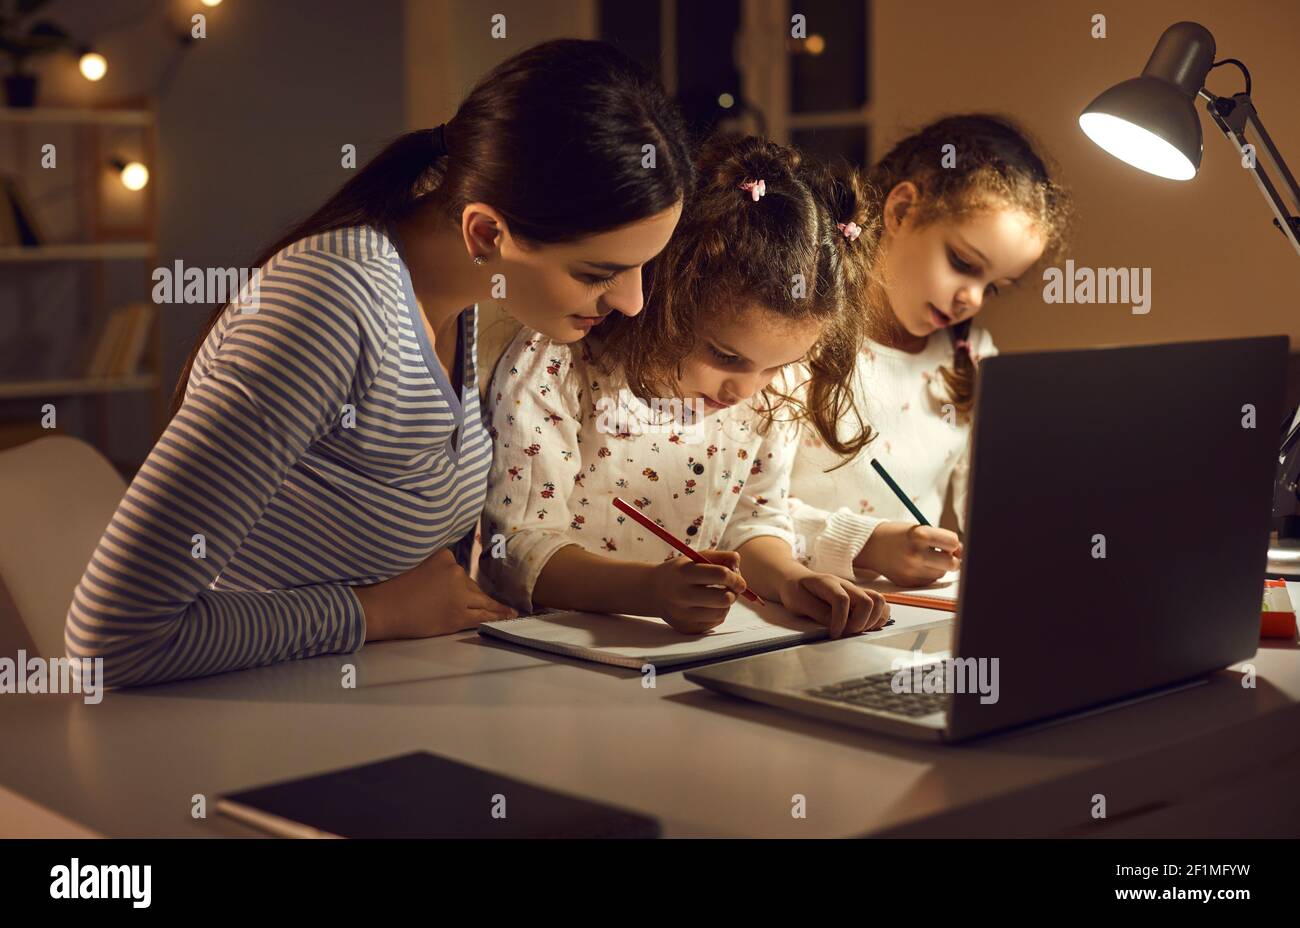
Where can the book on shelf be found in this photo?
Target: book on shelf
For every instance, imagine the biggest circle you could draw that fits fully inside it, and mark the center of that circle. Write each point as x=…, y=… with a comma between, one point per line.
x=140, y=322
x=122, y=341
x=18, y=223
x=8, y=222
x=109, y=335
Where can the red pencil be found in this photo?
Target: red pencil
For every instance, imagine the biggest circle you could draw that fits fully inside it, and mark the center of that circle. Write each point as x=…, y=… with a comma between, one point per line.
x=697, y=557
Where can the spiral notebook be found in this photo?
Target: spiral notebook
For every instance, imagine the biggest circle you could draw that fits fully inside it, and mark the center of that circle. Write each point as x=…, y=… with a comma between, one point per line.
x=634, y=641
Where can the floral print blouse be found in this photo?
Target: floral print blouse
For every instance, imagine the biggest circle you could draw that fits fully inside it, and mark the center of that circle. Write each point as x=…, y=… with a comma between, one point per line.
x=569, y=438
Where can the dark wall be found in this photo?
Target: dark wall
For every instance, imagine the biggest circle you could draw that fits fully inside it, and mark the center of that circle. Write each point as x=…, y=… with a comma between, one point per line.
x=251, y=122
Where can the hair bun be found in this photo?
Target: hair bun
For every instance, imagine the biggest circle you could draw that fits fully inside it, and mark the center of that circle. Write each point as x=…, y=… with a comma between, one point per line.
x=730, y=161
x=846, y=195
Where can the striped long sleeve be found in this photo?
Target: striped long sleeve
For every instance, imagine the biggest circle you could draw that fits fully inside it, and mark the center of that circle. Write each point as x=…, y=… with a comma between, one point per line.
x=314, y=450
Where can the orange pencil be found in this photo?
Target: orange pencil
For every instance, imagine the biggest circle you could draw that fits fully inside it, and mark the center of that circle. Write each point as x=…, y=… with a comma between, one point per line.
x=683, y=547
x=924, y=602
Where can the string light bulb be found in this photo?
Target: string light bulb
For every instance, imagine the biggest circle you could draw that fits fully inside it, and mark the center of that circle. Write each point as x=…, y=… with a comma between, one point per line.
x=92, y=65
x=133, y=174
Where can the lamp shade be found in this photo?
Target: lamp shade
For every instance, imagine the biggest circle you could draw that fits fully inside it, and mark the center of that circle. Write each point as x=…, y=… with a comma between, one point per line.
x=1150, y=121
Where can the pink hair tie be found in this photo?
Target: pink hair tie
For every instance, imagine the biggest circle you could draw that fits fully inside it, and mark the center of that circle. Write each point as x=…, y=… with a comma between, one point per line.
x=756, y=188
x=850, y=229
x=961, y=343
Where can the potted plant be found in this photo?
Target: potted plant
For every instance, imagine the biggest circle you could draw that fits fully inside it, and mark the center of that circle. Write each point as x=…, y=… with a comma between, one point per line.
x=19, y=42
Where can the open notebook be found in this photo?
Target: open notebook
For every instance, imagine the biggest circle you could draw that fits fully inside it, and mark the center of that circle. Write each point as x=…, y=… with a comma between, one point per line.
x=633, y=641
x=942, y=594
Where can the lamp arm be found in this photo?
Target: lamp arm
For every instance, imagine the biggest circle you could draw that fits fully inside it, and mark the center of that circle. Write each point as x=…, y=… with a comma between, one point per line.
x=1234, y=115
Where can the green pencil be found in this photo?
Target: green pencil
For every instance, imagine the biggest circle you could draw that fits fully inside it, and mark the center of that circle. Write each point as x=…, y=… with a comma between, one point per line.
x=898, y=491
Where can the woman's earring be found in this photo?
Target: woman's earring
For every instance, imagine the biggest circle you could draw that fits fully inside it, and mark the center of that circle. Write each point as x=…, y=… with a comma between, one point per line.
x=480, y=260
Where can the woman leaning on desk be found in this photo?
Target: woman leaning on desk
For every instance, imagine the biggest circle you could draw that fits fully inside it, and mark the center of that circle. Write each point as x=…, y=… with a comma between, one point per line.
x=319, y=483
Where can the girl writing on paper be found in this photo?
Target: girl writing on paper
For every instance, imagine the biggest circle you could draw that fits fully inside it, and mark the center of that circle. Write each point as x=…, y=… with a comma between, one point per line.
x=968, y=206
x=677, y=410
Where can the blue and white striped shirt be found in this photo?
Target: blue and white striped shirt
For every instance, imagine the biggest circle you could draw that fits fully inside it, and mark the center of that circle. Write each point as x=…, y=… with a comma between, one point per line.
x=265, y=474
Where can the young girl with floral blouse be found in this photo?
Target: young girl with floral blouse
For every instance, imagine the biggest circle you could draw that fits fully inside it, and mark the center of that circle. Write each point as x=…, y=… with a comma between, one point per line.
x=677, y=409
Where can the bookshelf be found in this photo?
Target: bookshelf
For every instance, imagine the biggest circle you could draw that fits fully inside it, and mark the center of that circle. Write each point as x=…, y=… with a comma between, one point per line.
x=103, y=224
x=107, y=250
x=78, y=387
x=38, y=115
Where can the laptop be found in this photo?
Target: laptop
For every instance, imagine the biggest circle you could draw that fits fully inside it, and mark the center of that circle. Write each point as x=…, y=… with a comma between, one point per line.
x=1117, y=531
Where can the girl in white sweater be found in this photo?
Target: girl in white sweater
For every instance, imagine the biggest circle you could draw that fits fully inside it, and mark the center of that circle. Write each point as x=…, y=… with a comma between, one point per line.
x=765, y=269
x=969, y=207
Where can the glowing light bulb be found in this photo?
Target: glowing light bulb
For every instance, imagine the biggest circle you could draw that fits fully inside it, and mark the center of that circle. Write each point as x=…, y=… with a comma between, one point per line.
x=93, y=66
x=1140, y=147
x=134, y=175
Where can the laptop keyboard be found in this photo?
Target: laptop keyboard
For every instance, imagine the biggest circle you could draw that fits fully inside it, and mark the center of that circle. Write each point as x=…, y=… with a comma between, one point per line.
x=877, y=692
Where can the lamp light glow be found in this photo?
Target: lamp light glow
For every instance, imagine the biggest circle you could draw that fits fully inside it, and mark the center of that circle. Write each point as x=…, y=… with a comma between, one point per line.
x=134, y=175
x=93, y=66
x=1137, y=146
x=1150, y=121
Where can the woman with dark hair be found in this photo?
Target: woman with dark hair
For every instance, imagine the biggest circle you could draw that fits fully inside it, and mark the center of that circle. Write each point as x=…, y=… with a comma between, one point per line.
x=320, y=480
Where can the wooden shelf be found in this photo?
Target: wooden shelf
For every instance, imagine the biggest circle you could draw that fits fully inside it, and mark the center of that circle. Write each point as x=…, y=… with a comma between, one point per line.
x=18, y=389
x=108, y=229
x=89, y=251
x=54, y=114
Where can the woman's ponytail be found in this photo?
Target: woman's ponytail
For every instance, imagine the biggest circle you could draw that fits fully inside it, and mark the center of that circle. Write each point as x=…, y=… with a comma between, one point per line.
x=554, y=138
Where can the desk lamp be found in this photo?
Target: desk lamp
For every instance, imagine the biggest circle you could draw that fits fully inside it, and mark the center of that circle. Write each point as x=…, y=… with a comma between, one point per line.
x=1150, y=122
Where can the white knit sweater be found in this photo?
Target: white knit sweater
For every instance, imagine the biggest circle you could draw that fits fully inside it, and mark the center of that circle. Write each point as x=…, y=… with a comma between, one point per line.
x=924, y=446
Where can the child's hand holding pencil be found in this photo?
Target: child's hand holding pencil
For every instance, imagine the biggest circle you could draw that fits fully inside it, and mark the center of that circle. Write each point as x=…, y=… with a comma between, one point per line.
x=694, y=597
x=909, y=555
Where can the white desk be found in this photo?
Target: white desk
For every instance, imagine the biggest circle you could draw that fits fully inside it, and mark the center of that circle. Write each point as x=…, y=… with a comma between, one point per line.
x=1216, y=759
